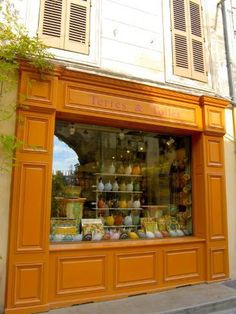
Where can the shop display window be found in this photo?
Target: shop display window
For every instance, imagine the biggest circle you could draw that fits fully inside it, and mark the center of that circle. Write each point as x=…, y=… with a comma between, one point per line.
x=111, y=184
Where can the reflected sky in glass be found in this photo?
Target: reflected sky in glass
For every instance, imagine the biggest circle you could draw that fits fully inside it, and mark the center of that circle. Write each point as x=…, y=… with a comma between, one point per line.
x=64, y=158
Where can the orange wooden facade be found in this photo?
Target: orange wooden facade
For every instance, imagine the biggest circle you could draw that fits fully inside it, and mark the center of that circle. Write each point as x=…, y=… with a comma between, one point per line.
x=43, y=275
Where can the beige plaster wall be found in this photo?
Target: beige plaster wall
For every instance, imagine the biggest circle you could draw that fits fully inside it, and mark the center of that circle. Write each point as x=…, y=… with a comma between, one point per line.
x=230, y=171
x=7, y=127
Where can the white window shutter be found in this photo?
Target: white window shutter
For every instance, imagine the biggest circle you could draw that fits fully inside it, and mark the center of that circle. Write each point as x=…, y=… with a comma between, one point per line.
x=77, y=26
x=51, y=23
x=197, y=41
x=180, y=40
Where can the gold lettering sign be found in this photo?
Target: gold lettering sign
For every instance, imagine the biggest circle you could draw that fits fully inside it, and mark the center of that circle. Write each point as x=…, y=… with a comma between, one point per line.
x=96, y=102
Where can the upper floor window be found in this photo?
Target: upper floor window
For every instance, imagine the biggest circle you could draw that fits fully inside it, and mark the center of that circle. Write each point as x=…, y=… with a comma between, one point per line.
x=188, y=39
x=64, y=24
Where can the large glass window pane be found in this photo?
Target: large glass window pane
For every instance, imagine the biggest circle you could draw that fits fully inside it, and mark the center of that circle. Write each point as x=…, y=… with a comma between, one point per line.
x=117, y=184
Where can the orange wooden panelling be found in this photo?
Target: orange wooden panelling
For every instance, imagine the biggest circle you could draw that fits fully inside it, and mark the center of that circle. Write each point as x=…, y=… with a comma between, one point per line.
x=28, y=284
x=214, y=119
x=83, y=272
x=32, y=203
x=80, y=274
x=37, y=91
x=183, y=264
x=214, y=152
x=132, y=269
x=216, y=206
x=35, y=128
x=95, y=102
x=219, y=263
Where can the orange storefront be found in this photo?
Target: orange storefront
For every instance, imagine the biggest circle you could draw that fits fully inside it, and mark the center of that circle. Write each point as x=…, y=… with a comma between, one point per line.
x=43, y=274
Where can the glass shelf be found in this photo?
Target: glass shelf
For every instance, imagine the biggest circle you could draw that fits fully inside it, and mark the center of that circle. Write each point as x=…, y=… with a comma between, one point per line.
x=117, y=174
x=118, y=208
x=131, y=192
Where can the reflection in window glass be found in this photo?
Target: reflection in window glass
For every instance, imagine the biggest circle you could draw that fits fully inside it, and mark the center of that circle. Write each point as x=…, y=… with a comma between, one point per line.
x=115, y=184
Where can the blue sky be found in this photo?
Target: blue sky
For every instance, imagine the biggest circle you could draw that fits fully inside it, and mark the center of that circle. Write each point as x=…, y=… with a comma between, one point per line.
x=64, y=158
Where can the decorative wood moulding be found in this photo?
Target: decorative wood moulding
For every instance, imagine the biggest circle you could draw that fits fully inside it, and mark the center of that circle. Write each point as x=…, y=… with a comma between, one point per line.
x=31, y=293
x=34, y=132
x=32, y=207
x=93, y=95
x=135, y=269
x=216, y=204
x=95, y=102
x=219, y=263
x=38, y=91
x=73, y=276
x=183, y=264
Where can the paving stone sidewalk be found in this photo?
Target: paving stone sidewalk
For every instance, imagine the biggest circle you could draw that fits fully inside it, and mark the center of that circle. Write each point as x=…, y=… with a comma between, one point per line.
x=199, y=299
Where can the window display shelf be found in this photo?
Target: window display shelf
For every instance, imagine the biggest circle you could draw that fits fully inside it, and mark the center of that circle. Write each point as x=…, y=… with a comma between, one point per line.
x=121, y=226
x=126, y=192
x=117, y=174
x=118, y=208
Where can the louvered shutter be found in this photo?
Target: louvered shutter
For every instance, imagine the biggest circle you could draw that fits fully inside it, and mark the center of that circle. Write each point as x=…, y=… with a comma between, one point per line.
x=51, y=23
x=180, y=40
x=197, y=41
x=77, y=26
x=187, y=39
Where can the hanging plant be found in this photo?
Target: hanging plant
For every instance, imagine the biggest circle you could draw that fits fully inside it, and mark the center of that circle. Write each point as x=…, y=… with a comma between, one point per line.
x=15, y=45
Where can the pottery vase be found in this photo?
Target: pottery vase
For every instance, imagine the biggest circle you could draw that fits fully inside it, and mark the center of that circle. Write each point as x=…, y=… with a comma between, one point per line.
x=100, y=185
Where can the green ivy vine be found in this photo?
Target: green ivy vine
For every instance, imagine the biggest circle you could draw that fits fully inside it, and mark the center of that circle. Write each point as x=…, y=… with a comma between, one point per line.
x=15, y=45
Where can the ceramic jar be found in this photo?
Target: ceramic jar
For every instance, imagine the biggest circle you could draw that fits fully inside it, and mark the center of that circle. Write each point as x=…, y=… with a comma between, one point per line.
x=129, y=187
x=108, y=186
x=122, y=186
x=136, y=204
x=100, y=185
x=136, y=169
x=128, y=220
x=115, y=186
x=110, y=220
x=128, y=169
x=122, y=204
x=111, y=169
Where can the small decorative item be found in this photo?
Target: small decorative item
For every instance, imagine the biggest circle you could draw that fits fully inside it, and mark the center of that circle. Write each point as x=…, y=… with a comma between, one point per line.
x=121, y=169
x=115, y=203
x=128, y=220
x=108, y=186
x=115, y=186
x=101, y=203
x=141, y=234
x=122, y=186
x=92, y=229
x=133, y=235
x=158, y=234
x=111, y=169
x=124, y=235
x=109, y=220
x=135, y=219
x=114, y=235
x=136, y=204
x=128, y=170
x=100, y=185
x=118, y=220
x=129, y=187
x=122, y=204
x=107, y=236
x=78, y=237
x=136, y=186
x=136, y=170
x=150, y=235
x=97, y=236
x=87, y=237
